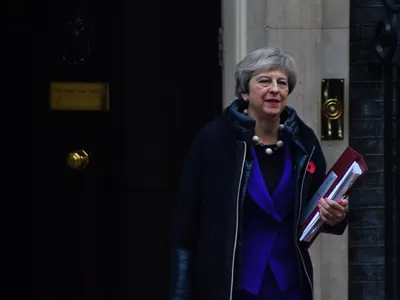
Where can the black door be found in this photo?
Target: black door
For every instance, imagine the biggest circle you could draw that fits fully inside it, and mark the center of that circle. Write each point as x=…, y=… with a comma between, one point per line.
x=118, y=91
x=173, y=86
x=78, y=222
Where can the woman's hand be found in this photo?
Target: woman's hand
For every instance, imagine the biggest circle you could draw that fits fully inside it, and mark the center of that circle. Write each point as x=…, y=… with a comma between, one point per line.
x=333, y=212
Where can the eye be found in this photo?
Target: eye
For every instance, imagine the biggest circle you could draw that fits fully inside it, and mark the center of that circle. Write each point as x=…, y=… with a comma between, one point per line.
x=283, y=83
x=264, y=82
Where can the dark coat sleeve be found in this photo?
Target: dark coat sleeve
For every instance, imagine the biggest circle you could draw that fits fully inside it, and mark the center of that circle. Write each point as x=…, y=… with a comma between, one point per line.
x=185, y=221
x=319, y=177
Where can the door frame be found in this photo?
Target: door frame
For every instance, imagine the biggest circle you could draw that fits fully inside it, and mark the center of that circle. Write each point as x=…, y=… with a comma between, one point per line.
x=234, y=24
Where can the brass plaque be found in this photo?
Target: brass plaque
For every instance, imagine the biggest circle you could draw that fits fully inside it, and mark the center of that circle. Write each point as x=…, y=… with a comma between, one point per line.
x=332, y=109
x=79, y=96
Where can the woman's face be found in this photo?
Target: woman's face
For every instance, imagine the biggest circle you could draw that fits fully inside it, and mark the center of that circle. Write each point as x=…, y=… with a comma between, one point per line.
x=268, y=91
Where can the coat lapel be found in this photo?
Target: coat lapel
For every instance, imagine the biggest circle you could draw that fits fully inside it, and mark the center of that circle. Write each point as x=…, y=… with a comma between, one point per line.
x=259, y=192
x=282, y=197
x=283, y=194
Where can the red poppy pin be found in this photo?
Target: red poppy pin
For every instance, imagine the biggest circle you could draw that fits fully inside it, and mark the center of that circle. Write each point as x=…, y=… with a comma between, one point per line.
x=311, y=167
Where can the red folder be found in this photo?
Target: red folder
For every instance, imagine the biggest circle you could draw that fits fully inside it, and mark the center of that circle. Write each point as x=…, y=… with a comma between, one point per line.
x=334, y=184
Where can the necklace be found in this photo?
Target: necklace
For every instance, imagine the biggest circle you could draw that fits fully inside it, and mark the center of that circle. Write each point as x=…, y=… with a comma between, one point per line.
x=272, y=149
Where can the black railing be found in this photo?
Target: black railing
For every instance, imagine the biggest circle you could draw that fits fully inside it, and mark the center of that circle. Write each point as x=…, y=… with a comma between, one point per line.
x=386, y=46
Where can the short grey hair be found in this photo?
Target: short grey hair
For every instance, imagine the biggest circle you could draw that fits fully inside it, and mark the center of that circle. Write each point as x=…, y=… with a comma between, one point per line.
x=264, y=59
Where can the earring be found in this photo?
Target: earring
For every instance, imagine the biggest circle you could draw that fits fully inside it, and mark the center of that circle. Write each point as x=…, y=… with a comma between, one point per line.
x=245, y=111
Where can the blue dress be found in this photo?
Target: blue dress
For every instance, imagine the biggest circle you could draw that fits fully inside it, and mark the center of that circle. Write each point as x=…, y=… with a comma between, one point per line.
x=269, y=264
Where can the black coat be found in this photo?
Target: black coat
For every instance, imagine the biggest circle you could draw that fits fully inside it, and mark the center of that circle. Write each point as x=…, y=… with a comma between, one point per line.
x=206, y=231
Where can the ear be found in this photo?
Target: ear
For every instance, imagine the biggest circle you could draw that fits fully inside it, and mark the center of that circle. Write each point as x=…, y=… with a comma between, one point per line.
x=245, y=96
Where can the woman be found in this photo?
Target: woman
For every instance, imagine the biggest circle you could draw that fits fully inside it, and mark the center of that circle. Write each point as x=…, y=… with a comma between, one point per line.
x=243, y=186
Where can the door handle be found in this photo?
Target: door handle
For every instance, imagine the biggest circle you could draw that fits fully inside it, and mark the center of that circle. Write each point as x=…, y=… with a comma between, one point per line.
x=78, y=159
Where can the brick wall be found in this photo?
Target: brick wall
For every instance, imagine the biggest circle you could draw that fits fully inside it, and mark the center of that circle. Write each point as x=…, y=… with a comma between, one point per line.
x=366, y=231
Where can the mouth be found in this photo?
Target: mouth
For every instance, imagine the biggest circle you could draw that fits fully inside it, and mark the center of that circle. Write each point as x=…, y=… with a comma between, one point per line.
x=272, y=101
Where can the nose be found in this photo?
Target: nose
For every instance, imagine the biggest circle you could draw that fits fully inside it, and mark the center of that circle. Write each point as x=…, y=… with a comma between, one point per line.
x=274, y=87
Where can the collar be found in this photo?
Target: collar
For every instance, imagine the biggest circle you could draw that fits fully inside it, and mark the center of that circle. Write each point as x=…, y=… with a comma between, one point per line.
x=244, y=125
